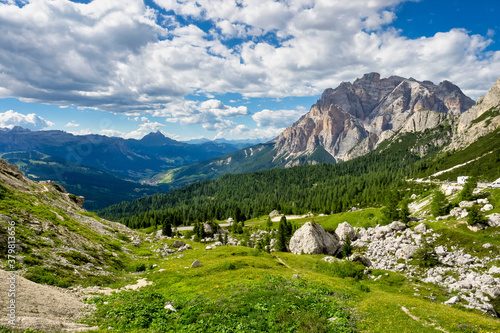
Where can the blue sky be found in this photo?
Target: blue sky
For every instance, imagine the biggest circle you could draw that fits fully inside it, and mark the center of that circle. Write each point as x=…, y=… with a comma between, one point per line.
x=224, y=68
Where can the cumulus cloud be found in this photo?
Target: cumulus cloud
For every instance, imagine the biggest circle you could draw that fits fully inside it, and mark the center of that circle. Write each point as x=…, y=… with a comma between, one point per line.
x=72, y=124
x=211, y=114
x=244, y=132
x=123, y=56
x=11, y=119
x=277, y=119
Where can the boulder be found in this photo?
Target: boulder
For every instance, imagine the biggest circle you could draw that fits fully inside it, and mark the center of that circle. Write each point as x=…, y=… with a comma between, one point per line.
x=457, y=211
x=274, y=213
x=397, y=226
x=343, y=230
x=452, y=300
x=483, y=201
x=208, y=248
x=207, y=228
x=487, y=207
x=494, y=270
x=218, y=244
x=406, y=251
x=170, y=307
x=177, y=244
x=196, y=263
x=466, y=204
x=440, y=251
x=311, y=238
x=421, y=228
x=494, y=292
x=494, y=220
x=357, y=257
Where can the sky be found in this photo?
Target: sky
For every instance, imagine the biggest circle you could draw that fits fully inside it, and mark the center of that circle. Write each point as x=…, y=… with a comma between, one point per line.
x=233, y=69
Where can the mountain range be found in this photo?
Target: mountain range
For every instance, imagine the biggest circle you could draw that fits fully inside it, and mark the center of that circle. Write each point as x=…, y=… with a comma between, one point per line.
x=105, y=170
x=346, y=122
x=352, y=120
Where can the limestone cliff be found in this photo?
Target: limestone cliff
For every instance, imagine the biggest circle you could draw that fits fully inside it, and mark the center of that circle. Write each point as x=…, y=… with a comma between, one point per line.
x=352, y=119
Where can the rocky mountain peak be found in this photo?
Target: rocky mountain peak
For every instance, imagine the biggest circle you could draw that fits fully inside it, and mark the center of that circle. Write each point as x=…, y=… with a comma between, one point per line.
x=367, y=111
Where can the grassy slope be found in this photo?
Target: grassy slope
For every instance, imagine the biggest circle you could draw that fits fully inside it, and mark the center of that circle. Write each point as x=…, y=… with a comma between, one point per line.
x=235, y=275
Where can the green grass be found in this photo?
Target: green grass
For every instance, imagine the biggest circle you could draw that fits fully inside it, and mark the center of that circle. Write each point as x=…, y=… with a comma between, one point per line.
x=241, y=289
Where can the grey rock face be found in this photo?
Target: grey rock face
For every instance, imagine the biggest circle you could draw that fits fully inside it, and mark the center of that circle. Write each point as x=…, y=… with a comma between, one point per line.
x=353, y=118
x=311, y=238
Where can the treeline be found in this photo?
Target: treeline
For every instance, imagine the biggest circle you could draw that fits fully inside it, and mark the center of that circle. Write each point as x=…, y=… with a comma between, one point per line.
x=324, y=188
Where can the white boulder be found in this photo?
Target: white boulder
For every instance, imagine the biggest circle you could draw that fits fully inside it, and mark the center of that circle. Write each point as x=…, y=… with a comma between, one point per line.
x=343, y=230
x=311, y=238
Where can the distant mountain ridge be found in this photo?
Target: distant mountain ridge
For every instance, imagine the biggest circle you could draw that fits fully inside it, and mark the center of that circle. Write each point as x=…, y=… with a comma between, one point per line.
x=127, y=158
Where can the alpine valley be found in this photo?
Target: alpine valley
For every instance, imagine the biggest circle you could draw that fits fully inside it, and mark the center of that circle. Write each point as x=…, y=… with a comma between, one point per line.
x=350, y=220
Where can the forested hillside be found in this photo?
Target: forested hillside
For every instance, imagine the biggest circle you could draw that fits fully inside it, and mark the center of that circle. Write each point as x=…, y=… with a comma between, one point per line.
x=324, y=188
x=320, y=188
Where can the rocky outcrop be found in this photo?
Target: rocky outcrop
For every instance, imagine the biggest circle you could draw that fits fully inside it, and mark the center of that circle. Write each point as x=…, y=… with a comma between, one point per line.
x=353, y=118
x=479, y=120
x=311, y=238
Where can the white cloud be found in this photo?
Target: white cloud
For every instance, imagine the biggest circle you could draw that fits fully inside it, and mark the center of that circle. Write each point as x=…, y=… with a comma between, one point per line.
x=143, y=130
x=211, y=114
x=72, y=124
x=112, y=54
x=11, y=119
x=85, y=131
x=277, y=119
x=244, y=132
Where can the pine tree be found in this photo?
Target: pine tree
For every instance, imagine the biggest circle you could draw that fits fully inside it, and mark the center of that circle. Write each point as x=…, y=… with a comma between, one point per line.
x=390, y=211
x=439, y=204
x=347, y=247
x=167, y=229
x=225, y=239
x=269, y=223
x=281, y=236
x=404, y=211
x=467, y=192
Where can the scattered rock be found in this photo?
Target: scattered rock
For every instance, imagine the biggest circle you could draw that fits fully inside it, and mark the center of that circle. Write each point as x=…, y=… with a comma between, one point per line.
x=177, y=244
x=397, y=226
x=452, y=300
x=196, y=263
x=494, y=220
x=494, y=270
x=487, y=207
x=170, y=307
x=467, y=204
x=218, y=244
x=421, y=228
x=344, y=230
x=208, y=248
x=274, y=213
x=296, y=276
x=311, y=238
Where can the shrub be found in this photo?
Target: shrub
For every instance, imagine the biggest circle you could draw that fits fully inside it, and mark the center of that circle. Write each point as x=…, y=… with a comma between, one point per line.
x=342, y=269
x=475, y=216
x=426, y=256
